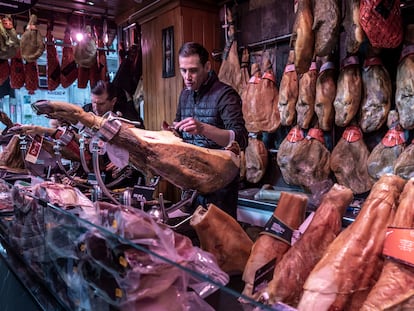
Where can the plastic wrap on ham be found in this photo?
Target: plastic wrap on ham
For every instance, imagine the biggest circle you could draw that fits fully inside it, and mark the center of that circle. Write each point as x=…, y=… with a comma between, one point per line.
x=53, y=66
x=69, y=69
x=394, y=289
x=352, y=261
x=293, y=269
x=17, y=75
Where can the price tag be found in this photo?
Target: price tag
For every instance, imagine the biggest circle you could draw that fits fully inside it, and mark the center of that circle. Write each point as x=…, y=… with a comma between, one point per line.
x=399, y=244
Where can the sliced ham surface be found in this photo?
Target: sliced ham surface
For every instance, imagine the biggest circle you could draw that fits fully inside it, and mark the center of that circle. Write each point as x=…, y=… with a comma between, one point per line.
x=353, y=258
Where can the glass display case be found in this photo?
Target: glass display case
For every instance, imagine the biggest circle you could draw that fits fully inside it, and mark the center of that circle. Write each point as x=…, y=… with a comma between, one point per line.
x=101, y=256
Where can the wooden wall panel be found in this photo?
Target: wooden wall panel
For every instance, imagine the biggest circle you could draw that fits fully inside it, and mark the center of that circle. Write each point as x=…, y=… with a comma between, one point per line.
x=161, y=94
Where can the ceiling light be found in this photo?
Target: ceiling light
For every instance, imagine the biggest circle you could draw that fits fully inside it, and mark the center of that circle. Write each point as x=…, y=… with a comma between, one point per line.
x=79, y=36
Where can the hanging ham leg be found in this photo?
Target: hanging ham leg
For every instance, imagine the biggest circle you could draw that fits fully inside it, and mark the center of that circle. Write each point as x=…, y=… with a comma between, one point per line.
x=221, y=235
x=102, y=64
x=288, y=92
x=349, y=161
x=250, y=95
x=69, y=69
x=305, y=106
x=53, y=66
x=404, y=93
x=257, y=157
x=229, y=72
x=394, y=289
x=326, y=26
x=325, y=95
x=348, y=92
x=244, y=70
x=354, y=33
x=185, y=165
x=290, y=211
x=404, y=166
x=352, y=259
x=376, y=101
x=291, y=272
x=303, y=36
x=31, y=43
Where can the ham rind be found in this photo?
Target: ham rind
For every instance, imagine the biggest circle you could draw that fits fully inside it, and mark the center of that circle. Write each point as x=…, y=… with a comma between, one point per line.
x=326, y=26
x=291, y=272
x=221, y=235
x=305, y=106
x=291, y=211
x=349, y=161
x=303, y=36
x=348, y=94
x=352, y=259
x=185, y=165
x=230, y=72
x=53, y=66
x=376, y=99
x=288, y=92
x=325, y=95
x=394, y=289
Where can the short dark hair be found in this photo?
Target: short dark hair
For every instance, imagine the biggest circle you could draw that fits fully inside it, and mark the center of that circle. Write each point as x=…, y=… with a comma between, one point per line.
x=194, y=48
x=102, y=86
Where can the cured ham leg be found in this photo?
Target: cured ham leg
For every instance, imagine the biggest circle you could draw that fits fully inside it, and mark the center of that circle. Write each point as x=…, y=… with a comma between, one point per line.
x=349, y=161
x=394, y=289
x=352, y=259
x=288, y=92
x=384, y=155
x=244, y=71
x=221, y=235
x=229, y=72
x=69, y=72
x=404, y=165
x=185, y=165
x=325, y=95
x=354, y=33
x=290, y=211
x=32, y=46
x=305, y=106
x=256, y=157
x=291, y=272
x=348, y=92
x=376, y=101
x=303, y=36
x=250, y=95
x=326, y=24
x=404, y=92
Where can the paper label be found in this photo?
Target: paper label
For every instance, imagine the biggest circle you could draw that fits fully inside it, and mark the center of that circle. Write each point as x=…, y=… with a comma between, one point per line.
x=275, y=227
x=399, y=244
x=263, y=276
x=34, y=149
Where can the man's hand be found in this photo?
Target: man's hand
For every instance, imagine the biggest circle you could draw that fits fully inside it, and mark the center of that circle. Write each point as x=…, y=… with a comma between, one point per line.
x=190, y=125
